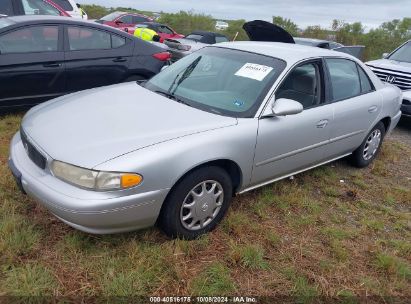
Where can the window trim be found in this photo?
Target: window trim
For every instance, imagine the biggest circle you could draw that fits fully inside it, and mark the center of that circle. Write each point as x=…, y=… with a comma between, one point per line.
x=59, y=38
x=318, y=62
x=330, y=84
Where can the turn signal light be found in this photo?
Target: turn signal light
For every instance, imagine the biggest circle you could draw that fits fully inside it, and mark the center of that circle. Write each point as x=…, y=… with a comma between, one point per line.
x=130, y=180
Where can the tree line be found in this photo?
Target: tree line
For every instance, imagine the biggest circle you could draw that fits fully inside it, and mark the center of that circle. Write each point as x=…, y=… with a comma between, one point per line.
x=377, y=41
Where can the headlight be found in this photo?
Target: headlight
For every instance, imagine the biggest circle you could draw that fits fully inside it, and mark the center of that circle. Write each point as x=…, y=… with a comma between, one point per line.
x=95, y=180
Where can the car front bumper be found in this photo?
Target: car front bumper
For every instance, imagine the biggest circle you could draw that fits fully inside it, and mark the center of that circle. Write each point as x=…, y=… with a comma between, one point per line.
x=88, y=211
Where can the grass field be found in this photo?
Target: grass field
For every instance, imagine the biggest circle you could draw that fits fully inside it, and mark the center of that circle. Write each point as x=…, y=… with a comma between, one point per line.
x=333, y=231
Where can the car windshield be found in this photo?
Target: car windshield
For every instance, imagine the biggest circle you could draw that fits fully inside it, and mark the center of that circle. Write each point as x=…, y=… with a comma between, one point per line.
x=112, y=16
x=403, y=53
x=219, y=80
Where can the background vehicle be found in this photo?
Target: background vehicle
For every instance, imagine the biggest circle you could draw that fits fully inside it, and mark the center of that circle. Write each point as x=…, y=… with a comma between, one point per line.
x=31, y=7
x=195, y=41
x=70, y=6
x=124, y=21
x=37, y=64
x=395, y=68
x=221, y=121
x=259, y=30
x=164, y=31
x=221, y=25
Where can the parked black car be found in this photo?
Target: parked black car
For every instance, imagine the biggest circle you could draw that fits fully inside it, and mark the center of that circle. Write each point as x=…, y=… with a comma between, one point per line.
x=42, y=57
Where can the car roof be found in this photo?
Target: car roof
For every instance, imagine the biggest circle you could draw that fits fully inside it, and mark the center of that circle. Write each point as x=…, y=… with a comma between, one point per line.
x=291, y=53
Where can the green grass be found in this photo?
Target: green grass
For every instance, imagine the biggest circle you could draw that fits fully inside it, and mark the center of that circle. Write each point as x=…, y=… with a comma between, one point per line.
x=306, y=237
x=214, y=280
x=29, y=280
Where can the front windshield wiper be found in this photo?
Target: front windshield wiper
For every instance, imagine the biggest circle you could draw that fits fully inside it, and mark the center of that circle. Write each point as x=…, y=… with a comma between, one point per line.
x=172, y=96
x=185, y=74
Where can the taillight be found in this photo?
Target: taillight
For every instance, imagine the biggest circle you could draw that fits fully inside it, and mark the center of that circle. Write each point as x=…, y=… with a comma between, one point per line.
x=163, y=56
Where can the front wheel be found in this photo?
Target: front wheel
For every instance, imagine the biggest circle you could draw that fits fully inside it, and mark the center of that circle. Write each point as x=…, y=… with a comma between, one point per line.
x=197, y=203
x=370, y=147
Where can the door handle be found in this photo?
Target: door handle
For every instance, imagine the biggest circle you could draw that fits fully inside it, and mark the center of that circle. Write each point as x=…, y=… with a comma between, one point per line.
x=322, y=123
x=119, y=59
x=52, y=65
x=372, y=109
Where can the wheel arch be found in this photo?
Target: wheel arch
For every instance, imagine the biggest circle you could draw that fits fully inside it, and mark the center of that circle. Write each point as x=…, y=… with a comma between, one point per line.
x=386, y=122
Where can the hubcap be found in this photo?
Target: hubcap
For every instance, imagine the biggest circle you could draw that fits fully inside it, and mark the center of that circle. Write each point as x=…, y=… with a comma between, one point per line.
x=201, y=205
x=372, y=144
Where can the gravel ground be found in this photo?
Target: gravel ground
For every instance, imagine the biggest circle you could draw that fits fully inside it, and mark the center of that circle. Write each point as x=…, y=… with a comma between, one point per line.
x=403, y=131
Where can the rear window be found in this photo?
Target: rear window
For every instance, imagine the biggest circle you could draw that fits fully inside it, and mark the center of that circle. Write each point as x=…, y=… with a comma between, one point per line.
x=112, y=16
x=6, y=8
x=194, y=37
x=64, y=4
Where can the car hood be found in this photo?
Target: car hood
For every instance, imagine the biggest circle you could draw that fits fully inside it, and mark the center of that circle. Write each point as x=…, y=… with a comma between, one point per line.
x=259, y=30
x=94, y=126
x=391, y=65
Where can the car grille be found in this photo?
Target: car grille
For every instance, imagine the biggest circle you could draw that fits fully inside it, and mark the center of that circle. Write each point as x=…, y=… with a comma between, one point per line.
x=400, y=79
x=32, y=152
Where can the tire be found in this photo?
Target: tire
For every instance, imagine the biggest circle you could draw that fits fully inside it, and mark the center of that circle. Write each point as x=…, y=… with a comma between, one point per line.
x=175, y=218
x=370, y=147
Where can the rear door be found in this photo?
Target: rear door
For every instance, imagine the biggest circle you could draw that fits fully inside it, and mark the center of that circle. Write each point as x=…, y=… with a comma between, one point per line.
x=31, y=64
x=95, y=57
x=356, y=105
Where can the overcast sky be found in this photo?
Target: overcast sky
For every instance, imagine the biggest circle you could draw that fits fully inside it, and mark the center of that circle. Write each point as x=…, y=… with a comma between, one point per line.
x=304, y=12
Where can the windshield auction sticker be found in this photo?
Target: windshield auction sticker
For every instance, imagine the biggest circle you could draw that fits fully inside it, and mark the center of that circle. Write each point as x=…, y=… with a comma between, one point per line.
x=254, y=71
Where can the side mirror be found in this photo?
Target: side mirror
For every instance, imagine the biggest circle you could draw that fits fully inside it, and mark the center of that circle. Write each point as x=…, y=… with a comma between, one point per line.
x=385, y=55
x=284, y=106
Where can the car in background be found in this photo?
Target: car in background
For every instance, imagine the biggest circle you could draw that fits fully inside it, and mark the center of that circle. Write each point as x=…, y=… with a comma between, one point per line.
x=222, y=121
x=71, y=7
x=259, y=30
x=124, y=21
x=45, y=57
x=395, y=68
x=31, y=7
x=164, y=31
x=221, y=25
x=194, y=41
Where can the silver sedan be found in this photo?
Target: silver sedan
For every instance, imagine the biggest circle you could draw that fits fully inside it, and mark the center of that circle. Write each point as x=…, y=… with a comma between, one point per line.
x=174, y=150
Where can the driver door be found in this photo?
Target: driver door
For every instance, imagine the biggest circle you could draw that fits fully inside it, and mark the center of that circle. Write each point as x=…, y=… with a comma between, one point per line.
x=287, y=144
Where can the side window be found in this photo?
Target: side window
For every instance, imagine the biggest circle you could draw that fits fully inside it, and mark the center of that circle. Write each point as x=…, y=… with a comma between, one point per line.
x=138, y=19
x=84, y=38
x=366, y=85
x=39, y=7
x=117, y=41
x=30, y=40
x=128, y=19
x=220, y=39
x=302, y=85
x=165, y=30
x=345, y=81
x=6, y=8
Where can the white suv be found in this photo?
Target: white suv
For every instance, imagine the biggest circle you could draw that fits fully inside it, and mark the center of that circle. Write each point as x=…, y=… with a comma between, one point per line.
x=71, y=7
x=395, y=68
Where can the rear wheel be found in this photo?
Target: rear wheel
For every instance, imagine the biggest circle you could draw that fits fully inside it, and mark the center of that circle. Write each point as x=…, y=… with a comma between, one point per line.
x=370, y=147
x=197, y=203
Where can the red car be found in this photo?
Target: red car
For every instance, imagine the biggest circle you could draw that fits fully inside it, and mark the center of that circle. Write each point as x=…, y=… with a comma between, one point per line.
x=164, y=31
x=31, y=7
x=124, y=21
